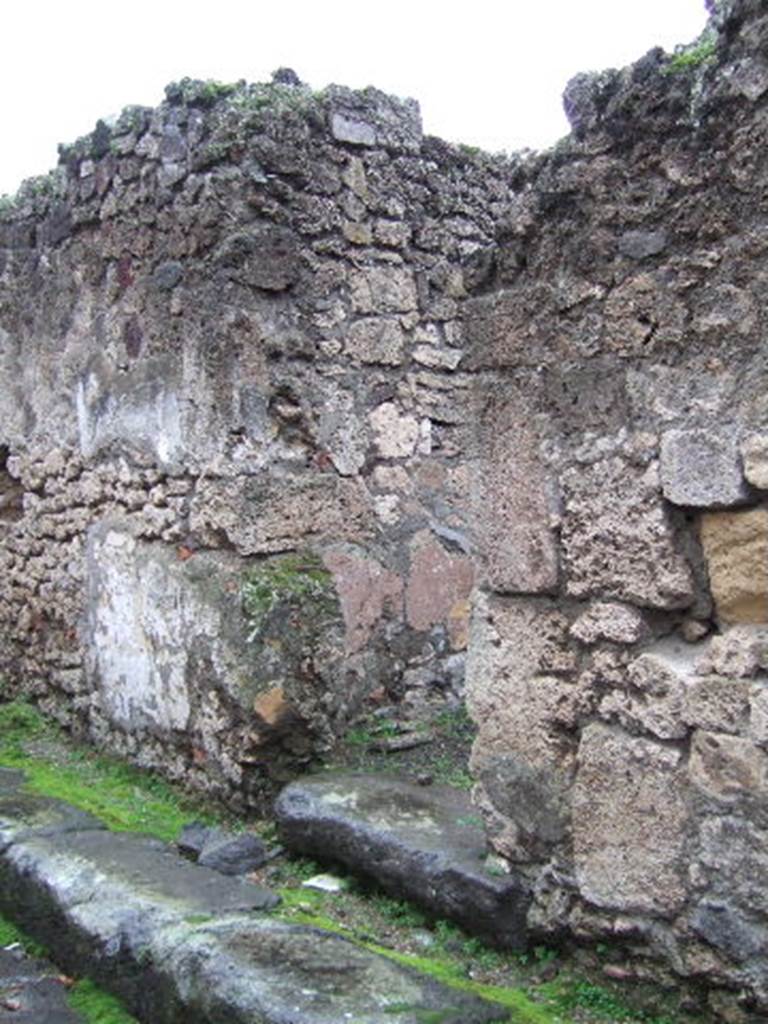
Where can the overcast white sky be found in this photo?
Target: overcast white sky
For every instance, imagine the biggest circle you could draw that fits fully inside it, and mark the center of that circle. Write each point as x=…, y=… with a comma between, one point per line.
x=486, y=72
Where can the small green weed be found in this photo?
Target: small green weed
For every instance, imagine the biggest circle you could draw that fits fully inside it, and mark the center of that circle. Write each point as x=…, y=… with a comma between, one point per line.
x=295, y=578
x=444, y=769
x=693, y=56
x=399, y=912
x=10, y=934
x=365, y=733
x=455, y=722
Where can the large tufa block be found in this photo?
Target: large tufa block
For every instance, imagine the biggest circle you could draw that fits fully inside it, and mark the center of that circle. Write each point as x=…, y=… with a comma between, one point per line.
x=736, y=550
x=617, y=539
x=702, y=468
x=629, y=823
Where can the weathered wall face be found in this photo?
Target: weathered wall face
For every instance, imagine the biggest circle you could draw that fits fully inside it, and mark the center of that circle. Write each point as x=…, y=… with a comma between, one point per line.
x=261, y=335
x=618, y=665
x=230, y=331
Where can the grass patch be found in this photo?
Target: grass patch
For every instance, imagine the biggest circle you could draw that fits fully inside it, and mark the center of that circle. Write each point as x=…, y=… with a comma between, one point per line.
x=98, y=1006
x=125, y=798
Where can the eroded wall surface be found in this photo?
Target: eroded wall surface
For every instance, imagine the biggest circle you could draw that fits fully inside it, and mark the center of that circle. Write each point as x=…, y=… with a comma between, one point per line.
x=258, y=322
x=619, y=647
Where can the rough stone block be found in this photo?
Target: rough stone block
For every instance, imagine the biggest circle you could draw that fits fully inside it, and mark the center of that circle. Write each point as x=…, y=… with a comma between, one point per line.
x=717, y=704
x=754, y=452
x=758, y=715
x=367, y=592
x=516, y=647
x=383, y=290
x=702, y=468
x=526, y=810
x=396, y=433
x=654, y=702
x=617, y=539
x=727, y=768
x=728, y=930
x=514, y=501
x=356, y=133
x=629, y=823
x=740, y=651
x=609, y=620
x=376, y=341
x=638, y=245
x=263, y=514
x=733, y=854
x=736, y=551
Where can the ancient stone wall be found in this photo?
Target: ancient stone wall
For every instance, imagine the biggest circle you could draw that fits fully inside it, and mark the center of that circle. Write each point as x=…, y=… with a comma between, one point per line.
x=230, y=331
x=619, y=649
x=284, y=383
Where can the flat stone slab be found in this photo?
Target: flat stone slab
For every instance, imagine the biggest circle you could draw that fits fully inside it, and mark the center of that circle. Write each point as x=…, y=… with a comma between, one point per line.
x=31, y=992
x=178, y=942
x=423, y=842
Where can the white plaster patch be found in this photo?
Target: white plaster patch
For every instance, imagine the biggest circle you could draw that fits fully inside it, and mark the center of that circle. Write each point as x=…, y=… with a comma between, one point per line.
x=396, y=433
x=146, y=417
x=136, y=648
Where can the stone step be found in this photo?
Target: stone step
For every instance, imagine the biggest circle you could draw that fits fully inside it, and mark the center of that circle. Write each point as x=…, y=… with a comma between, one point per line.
x=178, y=942
x=425, y=843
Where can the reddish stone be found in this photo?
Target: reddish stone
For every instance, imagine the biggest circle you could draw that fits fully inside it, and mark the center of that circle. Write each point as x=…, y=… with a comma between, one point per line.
x=438, y=588
x=367, y=592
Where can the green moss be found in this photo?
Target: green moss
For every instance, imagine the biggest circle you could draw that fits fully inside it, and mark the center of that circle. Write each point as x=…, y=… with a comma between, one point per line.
x=10, y=934
x=437, y=967
x=124, y=798
x=296, y=579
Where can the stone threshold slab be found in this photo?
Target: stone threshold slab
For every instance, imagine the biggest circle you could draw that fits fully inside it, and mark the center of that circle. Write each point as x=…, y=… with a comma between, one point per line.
x=422, y=842
x=178, y=942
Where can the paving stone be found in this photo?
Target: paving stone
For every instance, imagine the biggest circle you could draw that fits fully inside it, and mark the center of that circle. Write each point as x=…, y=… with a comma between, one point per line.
x=424, y=843
x=180, y=942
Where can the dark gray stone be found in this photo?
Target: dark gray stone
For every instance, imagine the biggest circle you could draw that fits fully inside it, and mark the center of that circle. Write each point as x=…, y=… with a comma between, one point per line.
x=286, y=76
x=425, y=843
x=232, y=855
x=728, y=930
x=31, y=993
x=640, y=244
x=356, y=133
x=702, y=468
x=24, y=815
x=289, y=974
x=192, y=839
x=167, y=275
x=265, y=258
